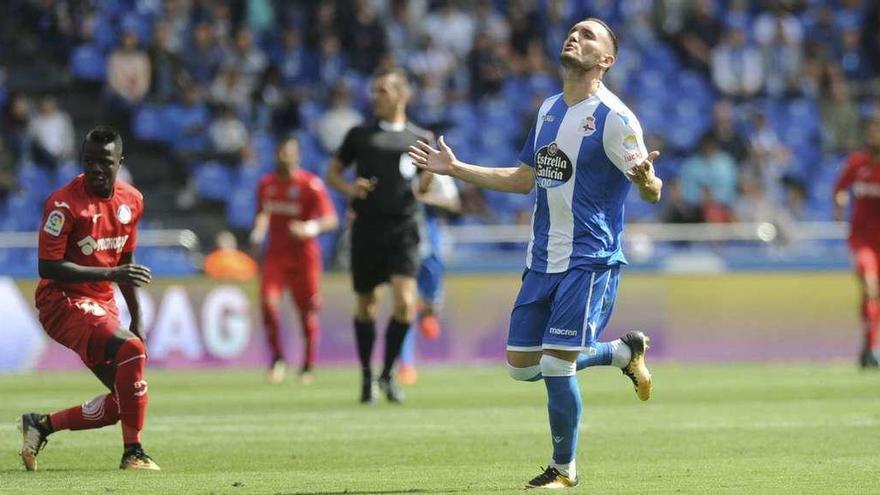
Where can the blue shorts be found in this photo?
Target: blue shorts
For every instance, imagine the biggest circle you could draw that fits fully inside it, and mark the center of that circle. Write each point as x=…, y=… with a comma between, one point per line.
x=564, y=311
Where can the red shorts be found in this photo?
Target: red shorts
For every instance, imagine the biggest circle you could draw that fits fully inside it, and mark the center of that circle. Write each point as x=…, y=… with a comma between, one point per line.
x=82, y=324
x=867, y=259
x=303, y=280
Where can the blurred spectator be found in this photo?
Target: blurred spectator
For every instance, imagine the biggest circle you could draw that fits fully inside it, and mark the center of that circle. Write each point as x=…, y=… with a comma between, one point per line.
x=228, y=135
x=430, y=61
x=737, y=66
x=188, y=122
x=365, y=38
x=778, y=25
x=248, y=59
x=292, y=58
x=452, y=29
x=795, y=202
x=871, y=36
x=521, y=16
x=726, y=133
x=783, y=60
x=333, y=61
x=486, y=68
x=268, y=98
x=229, y=89
x=338, y=119
x=227, y=262
x=701, y=32
x=167, y=67
x=206, y=55
x=52, y=129
x=490, y=23
x=676, y=209
x=17, y=134
x=399, y=28
x=176, y=15
x=769, y=156
x=855, y=65
x=712, y=169
x=840, y=115
x=8, y=176
x=128, y=71
x=285, y=117
x=713, y=210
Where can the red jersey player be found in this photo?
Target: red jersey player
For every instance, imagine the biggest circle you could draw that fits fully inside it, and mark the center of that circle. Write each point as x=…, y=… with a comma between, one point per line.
x=293, y=207
x=861, y=176
x=87, y=242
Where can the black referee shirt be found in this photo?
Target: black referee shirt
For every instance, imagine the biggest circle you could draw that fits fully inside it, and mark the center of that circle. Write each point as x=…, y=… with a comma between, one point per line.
x=380, y=154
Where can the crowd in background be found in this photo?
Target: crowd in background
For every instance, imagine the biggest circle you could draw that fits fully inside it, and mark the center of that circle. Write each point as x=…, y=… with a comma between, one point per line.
x=753, y=103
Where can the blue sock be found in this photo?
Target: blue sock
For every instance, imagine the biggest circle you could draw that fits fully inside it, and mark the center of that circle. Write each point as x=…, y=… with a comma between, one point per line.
x=564, y=409
x=598, y=354
x=408, y=351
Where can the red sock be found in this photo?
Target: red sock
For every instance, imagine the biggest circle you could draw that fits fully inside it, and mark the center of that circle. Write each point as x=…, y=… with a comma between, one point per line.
x=311, y=329
x=273, y=336
x=871, y=319
x=99, y=412
x=131, y=389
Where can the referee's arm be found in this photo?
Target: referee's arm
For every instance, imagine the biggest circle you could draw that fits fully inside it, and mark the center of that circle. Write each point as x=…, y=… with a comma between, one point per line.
x=359, y=189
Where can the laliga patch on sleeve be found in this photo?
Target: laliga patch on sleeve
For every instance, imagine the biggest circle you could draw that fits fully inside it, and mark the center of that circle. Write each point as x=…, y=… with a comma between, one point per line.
x=54, y=223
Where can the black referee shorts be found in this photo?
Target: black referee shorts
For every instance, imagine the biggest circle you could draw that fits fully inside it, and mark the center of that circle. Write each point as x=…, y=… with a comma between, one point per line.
x=380, y=250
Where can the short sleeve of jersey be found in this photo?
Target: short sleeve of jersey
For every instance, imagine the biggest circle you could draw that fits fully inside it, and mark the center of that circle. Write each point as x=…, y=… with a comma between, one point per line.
x=527, y=154
x=131, y=243
x=848, y=174
x=57, y=224
x=348, y=149
x=623, y=141
x=322, y=204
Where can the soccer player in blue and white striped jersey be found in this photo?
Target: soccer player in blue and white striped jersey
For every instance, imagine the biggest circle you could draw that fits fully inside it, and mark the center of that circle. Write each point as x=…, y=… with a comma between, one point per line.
x=583, y=153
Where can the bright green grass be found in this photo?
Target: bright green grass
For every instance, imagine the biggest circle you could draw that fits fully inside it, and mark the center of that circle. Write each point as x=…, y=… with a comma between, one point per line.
x=709, y=429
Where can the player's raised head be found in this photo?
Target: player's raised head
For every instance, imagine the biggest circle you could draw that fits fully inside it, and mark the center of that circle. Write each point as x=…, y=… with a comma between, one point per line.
x=101, y=159
x=390, y=91
x=590, y=43
x=287, y=155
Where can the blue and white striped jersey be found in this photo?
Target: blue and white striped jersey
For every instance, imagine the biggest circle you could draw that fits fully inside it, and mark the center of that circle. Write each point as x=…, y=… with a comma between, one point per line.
x=579, y=154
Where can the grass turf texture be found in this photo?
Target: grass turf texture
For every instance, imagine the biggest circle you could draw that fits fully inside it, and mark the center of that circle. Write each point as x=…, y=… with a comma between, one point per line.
x=708, y=429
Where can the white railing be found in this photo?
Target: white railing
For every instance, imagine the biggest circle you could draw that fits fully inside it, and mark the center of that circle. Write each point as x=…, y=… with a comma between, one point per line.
x=184, y=238
x=667, y=232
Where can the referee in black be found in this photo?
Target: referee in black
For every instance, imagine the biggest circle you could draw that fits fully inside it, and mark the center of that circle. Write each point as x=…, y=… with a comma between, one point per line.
x=384, y=233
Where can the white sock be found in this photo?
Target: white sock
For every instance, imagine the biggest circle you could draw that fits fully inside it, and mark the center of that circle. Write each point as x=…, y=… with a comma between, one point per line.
x=569, y=469
x=621, y=355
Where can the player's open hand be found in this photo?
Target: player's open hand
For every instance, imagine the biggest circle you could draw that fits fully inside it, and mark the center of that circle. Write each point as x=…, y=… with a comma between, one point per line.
x=433, y=160
x=362, y=187
x=133, y=274
x=643, y=173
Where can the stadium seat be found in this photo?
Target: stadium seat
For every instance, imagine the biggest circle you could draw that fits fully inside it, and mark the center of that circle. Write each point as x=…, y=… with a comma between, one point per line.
x=87, y=63
x=213, y=180
x=241, y=208
x=149, y=124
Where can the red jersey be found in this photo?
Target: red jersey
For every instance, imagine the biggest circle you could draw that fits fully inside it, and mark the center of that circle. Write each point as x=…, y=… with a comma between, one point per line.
x=302, y=197
x=862, y=173
x=90, y=231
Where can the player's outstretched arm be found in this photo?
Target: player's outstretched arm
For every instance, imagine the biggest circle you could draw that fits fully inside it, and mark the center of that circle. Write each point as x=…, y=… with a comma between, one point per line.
x=67, y=271
x=642, y=175
x=443, y=162
x=129, y=293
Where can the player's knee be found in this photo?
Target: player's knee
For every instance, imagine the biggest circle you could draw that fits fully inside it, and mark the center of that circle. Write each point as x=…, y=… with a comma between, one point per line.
x=554, y=366
x=132, y=350
x=526, y=374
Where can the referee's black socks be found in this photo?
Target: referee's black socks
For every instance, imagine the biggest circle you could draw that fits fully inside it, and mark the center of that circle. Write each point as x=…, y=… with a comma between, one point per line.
x=365, y=335
x=394, y=338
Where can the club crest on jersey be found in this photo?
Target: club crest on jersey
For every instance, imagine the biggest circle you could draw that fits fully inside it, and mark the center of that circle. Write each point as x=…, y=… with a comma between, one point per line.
x=630, y=143
x=553, y=168
x=123, y=214
x=588, y=125
x=54, y=223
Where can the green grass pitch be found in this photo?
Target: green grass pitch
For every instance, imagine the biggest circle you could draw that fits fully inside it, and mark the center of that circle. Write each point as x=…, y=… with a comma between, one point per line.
x=794, y=428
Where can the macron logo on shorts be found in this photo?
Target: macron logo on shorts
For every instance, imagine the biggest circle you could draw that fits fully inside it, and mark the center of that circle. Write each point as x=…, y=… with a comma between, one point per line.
x=563, y=332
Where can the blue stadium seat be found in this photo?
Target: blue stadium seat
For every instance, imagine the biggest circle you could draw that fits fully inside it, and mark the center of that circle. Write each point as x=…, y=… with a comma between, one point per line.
x=87, y=63
x=66, y=172
x=241, y=208
x=178, y=119
x=35, y=181
x=25, y=212
x=213, y=180
x=149, y=124
x=263, y=144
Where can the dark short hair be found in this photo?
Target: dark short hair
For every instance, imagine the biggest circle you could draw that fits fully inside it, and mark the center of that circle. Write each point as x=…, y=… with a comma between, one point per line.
x=104, y=135
x=394, y=71
x=607, y=28
x=284, y=138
